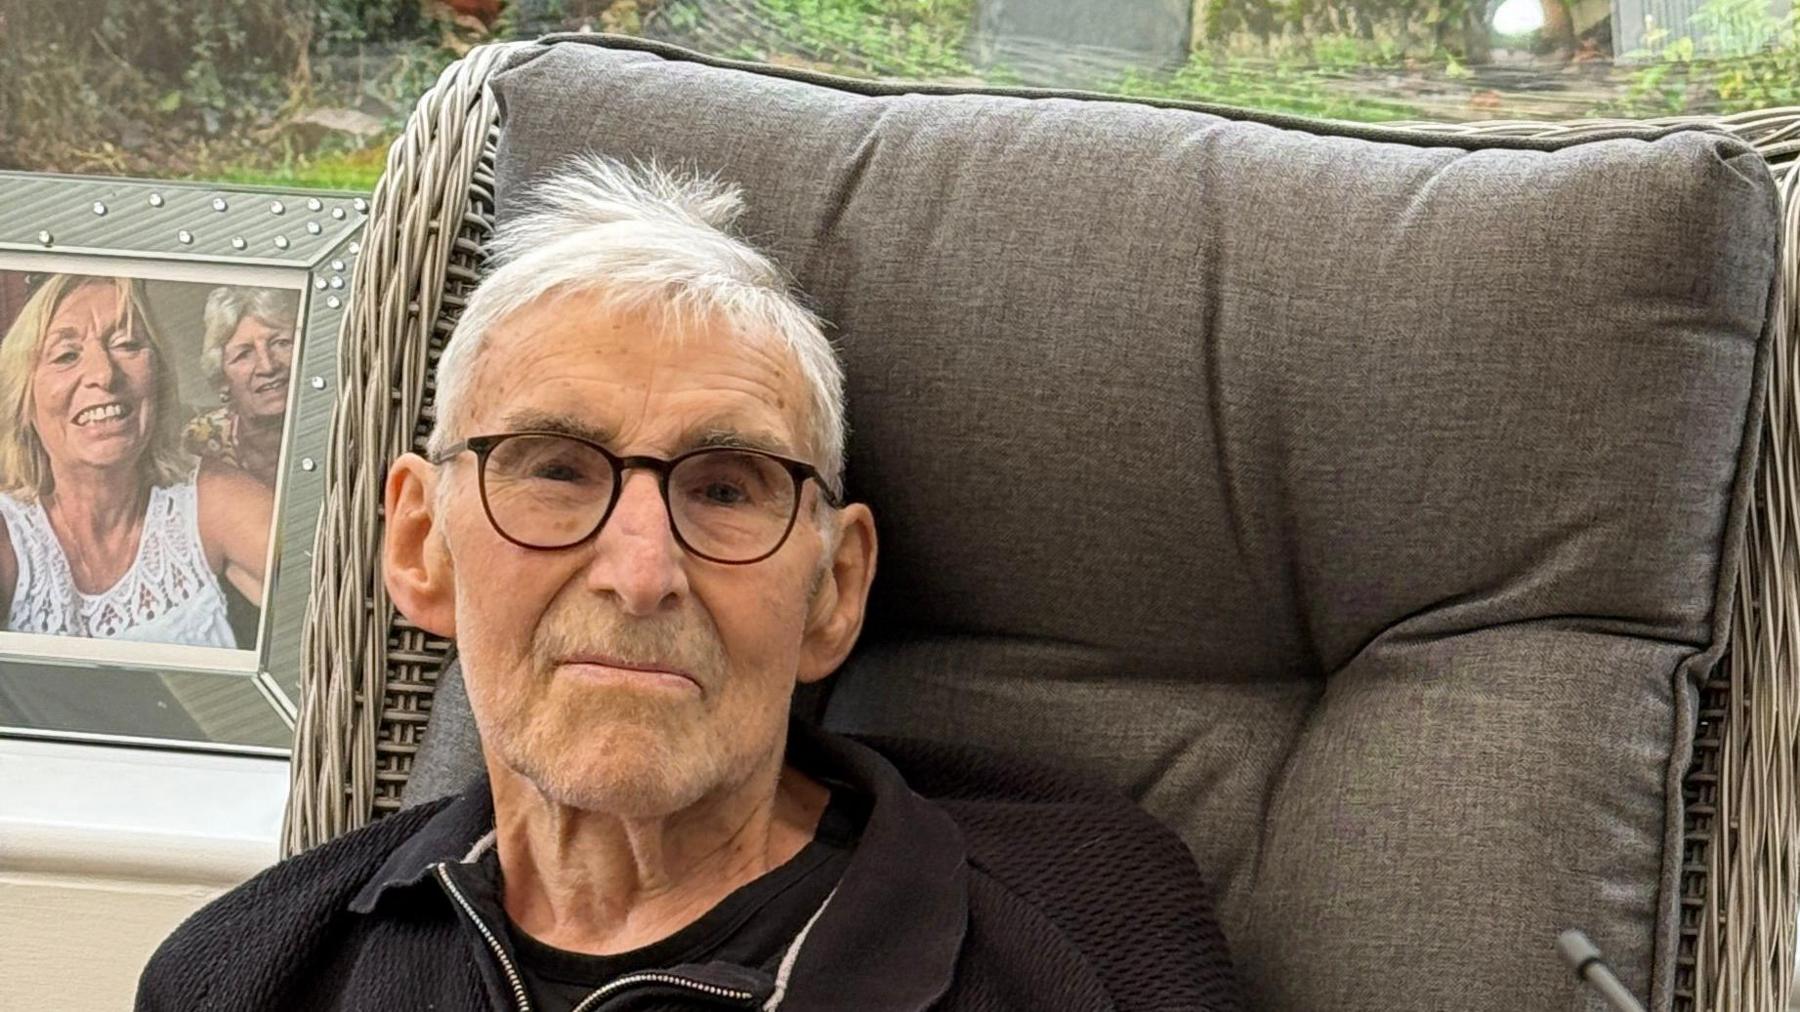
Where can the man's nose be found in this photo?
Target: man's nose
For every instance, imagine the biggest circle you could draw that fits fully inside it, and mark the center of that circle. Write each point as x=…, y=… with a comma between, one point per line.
x=636, y=556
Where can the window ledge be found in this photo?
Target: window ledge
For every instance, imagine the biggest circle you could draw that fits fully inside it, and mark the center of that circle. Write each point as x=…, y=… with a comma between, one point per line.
x=138, y=814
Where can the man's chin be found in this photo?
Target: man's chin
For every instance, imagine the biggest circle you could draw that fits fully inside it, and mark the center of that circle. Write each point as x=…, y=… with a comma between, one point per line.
x=628, y=764
x=644, y=788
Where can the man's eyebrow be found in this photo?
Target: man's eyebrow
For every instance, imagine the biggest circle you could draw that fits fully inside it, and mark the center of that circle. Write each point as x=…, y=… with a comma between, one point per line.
x=715, y=435
x=533, y=420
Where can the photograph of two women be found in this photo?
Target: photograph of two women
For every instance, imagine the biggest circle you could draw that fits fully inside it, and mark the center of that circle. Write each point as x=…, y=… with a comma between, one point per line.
x=141, y=433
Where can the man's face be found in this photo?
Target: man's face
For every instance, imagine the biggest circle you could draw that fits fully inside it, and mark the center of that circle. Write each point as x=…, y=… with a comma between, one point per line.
x=549, y=639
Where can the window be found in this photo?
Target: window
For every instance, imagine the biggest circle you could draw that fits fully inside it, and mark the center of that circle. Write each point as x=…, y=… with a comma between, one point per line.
x=270, y=91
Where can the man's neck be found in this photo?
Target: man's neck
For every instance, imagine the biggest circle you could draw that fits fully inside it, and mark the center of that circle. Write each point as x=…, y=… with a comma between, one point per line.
x=597, y=883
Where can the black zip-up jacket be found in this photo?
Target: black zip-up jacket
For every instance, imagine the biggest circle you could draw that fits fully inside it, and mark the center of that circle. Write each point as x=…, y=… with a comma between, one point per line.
x=977, y=883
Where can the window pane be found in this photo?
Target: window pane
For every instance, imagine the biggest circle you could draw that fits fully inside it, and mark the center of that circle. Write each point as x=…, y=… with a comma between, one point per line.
x=310, y=93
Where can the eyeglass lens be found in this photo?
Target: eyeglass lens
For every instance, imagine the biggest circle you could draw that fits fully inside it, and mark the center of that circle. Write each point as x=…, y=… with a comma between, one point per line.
x=551, y=492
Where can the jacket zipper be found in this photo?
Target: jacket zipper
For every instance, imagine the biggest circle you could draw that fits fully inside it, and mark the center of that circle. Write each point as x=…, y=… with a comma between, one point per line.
x=518, y=983
x=711, y=990
x=506, y=963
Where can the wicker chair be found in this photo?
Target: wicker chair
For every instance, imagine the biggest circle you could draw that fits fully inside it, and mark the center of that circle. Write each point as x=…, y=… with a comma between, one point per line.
x=369, y=675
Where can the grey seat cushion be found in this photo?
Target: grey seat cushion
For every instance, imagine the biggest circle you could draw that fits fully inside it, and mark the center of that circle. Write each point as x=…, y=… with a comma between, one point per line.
x=1358, y=501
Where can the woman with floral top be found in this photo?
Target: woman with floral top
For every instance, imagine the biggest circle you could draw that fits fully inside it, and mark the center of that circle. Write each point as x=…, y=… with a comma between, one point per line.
x=247, y=352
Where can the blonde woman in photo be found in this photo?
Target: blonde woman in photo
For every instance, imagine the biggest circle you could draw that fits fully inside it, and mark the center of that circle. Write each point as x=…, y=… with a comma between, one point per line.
x=109, y=530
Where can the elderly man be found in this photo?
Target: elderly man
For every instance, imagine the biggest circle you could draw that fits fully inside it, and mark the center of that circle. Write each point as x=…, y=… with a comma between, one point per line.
x=631, y=521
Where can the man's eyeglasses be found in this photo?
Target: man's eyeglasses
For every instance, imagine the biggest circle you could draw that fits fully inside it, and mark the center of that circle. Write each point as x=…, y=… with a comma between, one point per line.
x=550, y=490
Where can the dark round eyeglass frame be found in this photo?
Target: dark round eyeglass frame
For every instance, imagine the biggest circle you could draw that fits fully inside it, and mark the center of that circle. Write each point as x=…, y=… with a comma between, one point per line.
x=483, y=446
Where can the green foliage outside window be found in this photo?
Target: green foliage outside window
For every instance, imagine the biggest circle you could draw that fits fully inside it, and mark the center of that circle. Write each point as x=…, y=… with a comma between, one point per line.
x=1738, y=59
x=208, y=88
x=1296, y=79
x=886, y=38
x=83, y=81
x=1454, y=27
x=309, y=92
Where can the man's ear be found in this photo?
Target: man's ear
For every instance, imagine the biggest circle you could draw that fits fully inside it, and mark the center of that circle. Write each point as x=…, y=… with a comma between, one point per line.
x=415, y=561
x=835, y=617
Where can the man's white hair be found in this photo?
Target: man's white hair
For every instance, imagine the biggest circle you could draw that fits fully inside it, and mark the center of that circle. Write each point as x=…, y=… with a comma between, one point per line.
x=645, y=239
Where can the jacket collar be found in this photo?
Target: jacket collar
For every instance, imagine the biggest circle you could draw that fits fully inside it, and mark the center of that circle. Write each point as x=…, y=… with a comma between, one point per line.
x=458, y=832
x=887, y=940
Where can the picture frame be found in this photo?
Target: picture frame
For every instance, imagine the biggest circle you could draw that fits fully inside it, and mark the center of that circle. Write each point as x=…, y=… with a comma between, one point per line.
x=168, y=371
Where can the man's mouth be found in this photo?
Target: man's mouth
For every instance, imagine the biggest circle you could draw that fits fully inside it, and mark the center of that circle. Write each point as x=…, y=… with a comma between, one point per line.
x=101, y=413
x=660, y=671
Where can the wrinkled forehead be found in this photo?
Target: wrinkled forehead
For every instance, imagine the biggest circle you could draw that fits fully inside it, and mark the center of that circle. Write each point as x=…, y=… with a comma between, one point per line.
x=642, y=379
x=96, y=302
x=252, y=327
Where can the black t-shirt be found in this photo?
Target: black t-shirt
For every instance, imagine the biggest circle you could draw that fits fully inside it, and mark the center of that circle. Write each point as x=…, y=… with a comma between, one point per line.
x=750, y=927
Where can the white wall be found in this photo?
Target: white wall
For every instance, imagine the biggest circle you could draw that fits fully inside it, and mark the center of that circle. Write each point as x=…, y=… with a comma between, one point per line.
x=104, y=850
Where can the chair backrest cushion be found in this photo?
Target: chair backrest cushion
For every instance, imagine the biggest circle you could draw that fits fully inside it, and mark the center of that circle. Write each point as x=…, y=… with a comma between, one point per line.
x=1365, y=503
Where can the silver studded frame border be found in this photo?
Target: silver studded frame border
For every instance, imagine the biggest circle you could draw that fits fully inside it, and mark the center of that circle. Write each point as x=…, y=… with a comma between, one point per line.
x=187, y=231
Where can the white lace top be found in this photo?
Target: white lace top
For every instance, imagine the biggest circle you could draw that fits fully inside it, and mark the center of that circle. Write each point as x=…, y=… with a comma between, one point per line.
x=169, y=595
